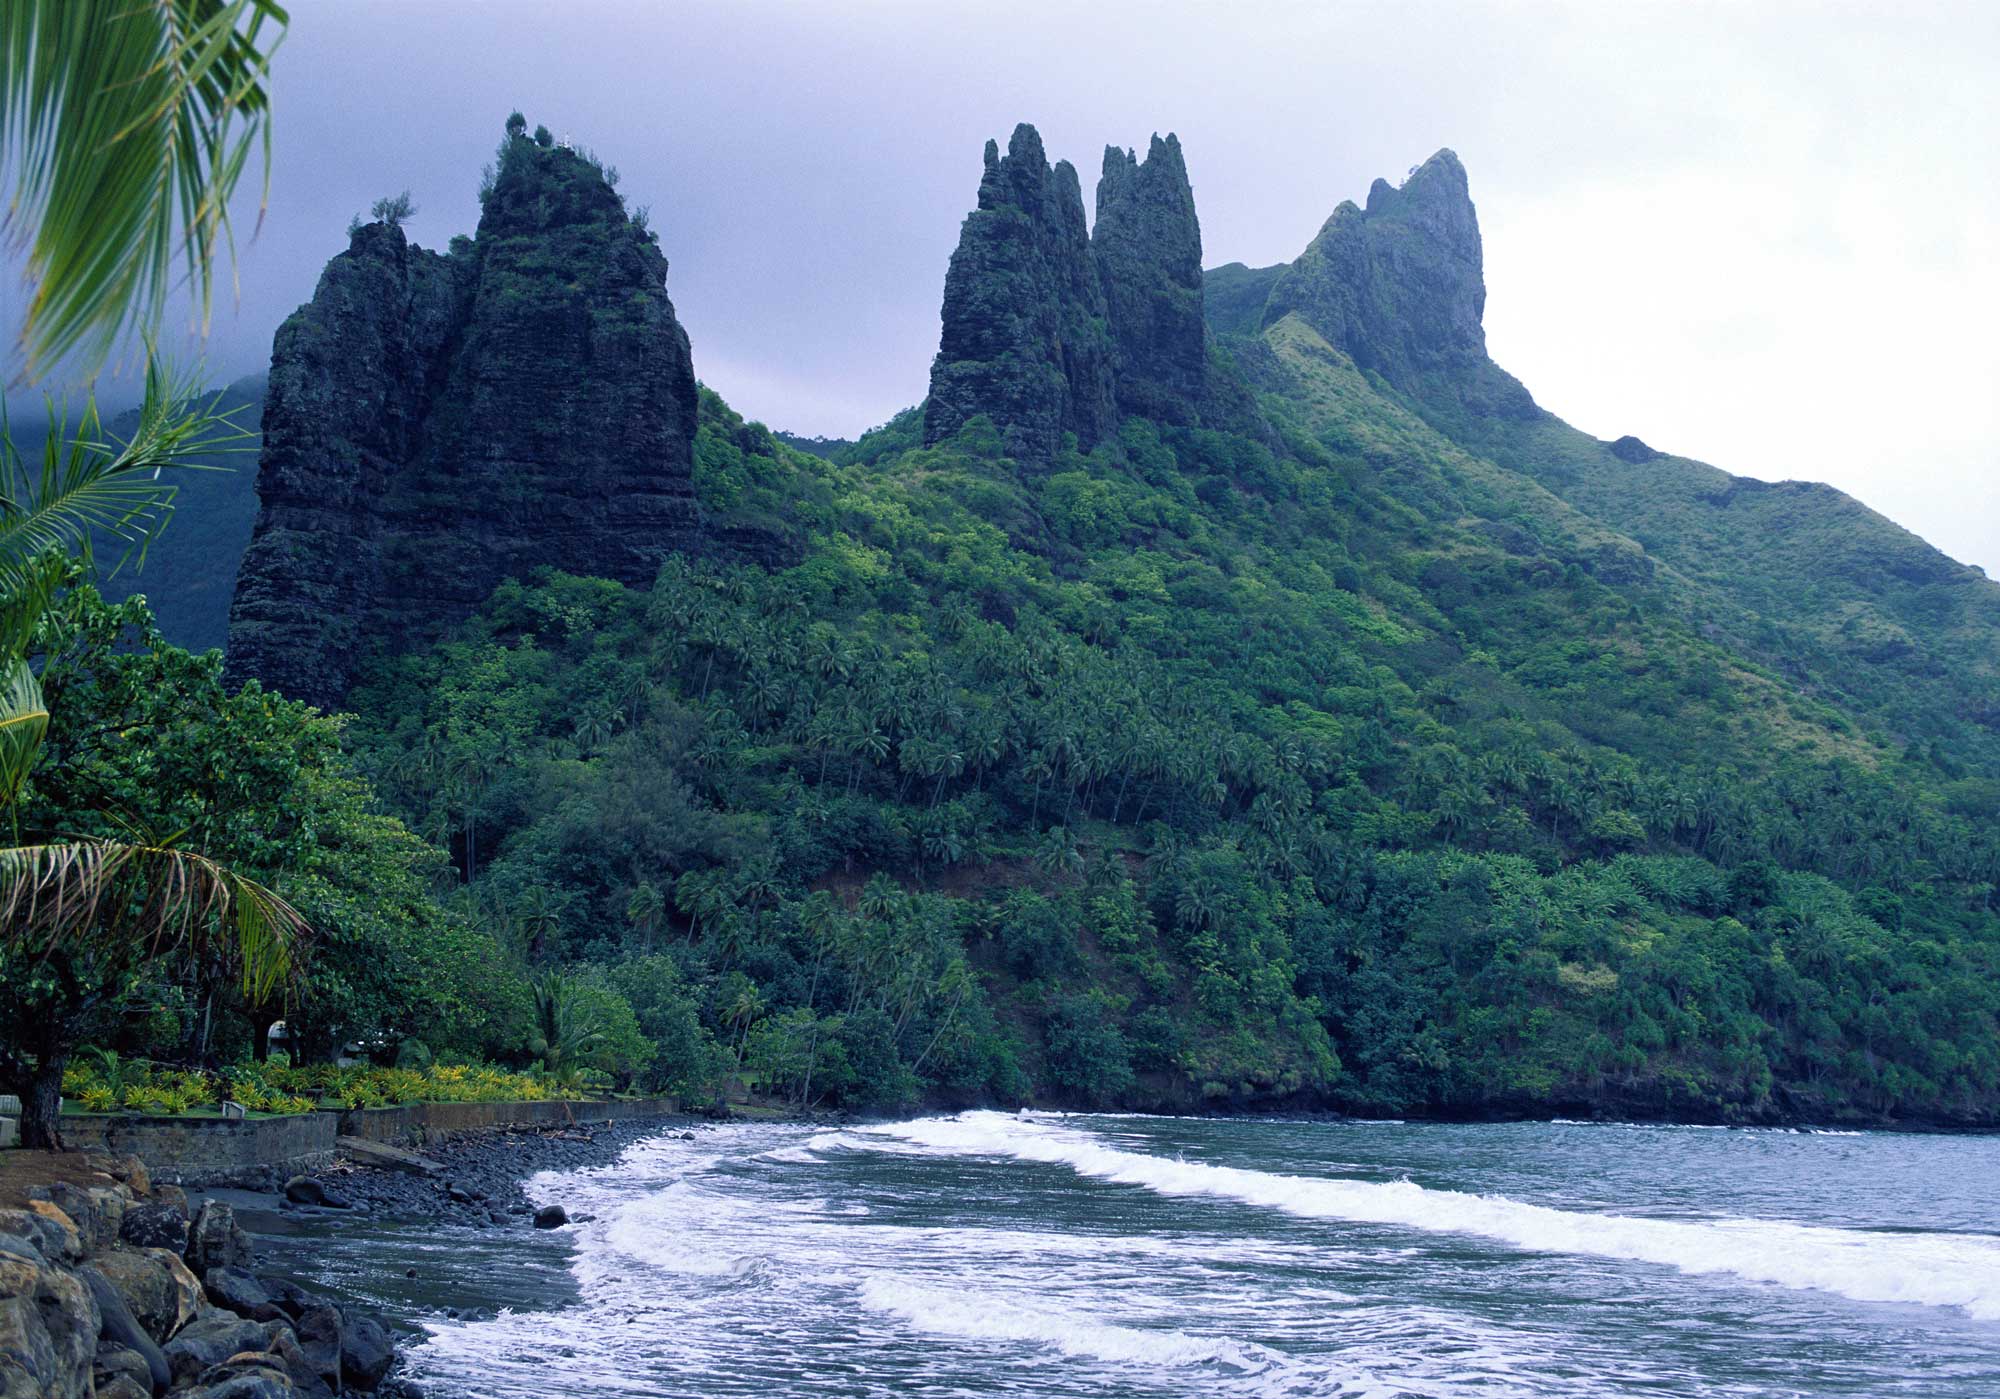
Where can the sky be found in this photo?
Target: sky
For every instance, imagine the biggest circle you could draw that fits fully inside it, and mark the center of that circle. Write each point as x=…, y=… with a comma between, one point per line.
x=1764, y=235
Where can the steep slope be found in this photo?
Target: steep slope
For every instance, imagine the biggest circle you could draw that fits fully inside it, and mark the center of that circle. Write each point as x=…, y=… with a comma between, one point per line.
x=1155, y=758
x=439, y=422
x=1797, y=576
x=1024, y=316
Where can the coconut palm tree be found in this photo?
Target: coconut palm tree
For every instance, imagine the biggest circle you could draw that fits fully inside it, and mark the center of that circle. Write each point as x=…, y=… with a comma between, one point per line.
x=126, y=127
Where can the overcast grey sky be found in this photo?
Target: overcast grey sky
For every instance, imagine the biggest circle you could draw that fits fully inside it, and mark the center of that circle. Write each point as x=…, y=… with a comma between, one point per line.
x=1763, y=235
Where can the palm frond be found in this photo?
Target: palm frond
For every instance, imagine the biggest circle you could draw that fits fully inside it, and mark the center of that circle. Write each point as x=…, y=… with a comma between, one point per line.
x=79, y=488
x=129, y=900
x=24, y=722
x=129, y=123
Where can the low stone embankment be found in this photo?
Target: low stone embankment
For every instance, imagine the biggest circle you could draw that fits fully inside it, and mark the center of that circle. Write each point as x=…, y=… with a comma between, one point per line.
x=110, y=1287
x=260, y=1152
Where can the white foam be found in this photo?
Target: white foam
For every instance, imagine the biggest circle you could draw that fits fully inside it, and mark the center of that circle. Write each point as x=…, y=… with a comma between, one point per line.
x=1931, y=1269
x=989, y=1316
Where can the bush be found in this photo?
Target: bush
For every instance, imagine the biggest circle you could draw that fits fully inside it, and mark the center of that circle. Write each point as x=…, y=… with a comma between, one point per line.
x=392, y=209
x=1089, y=1061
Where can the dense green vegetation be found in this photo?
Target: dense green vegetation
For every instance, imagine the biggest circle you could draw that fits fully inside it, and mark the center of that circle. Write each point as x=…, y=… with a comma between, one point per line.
x=1191, y=770
x=1382, y=755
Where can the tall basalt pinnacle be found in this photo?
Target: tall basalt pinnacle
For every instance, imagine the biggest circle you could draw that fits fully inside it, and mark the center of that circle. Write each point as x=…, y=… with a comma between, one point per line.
x=1400, y=286
x=1147, y=246
x=436, y=424
x=1024, y=336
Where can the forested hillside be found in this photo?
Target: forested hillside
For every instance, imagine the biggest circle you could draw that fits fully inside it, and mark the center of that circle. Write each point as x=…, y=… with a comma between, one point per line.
x=1225, y=691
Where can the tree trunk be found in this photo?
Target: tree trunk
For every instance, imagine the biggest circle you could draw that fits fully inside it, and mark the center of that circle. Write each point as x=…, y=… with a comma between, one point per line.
x=41, y=1106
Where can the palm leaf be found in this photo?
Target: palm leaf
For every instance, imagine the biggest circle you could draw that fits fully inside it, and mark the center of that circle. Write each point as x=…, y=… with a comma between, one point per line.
x=122, y=899
x=24, y=722
x=129, y=123
x=79, y=488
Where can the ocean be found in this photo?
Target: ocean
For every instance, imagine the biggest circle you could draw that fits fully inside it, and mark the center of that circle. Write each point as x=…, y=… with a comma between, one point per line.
x=1041, y=1254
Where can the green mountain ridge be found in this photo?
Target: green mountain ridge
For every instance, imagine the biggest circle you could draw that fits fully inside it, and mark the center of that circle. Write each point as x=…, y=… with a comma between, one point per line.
x=1341, y=730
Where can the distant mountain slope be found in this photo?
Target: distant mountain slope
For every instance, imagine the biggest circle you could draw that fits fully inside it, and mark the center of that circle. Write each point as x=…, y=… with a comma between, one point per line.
x=1805, y=580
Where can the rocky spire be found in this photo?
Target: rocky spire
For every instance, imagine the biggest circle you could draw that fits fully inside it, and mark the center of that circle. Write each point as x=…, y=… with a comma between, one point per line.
x=1400, y=287
x=1147, y=247
x=436, y=424
x=1024, y=338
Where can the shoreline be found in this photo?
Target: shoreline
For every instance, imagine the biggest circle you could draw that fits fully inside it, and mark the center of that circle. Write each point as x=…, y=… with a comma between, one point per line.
x=479, y=1193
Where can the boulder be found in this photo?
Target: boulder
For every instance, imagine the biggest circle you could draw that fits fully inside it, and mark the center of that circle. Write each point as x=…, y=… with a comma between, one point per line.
x=318, y=1330
x=248, y=1375
x=123, y=1387
x=365, y=1353
x=48, y=1330
x=59, y=1239
x=154, y=1285
x=132, y=1171
x=551, y=1217
x=292, y=1299
x=115, y=1362
x=155, y=1226
x=117, y=1325
x=215, y=1240
x=96, y=1211
x=304, y=1190
x=234, y=1290
x=174, y=1197
x=211, y=1338
x=300, y=1368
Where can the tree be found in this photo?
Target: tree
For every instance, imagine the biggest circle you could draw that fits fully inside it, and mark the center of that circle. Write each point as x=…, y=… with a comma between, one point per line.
x=516, y=124
x=542, y=137
x=569, y=1025
x=128, y=127
x=392, y=209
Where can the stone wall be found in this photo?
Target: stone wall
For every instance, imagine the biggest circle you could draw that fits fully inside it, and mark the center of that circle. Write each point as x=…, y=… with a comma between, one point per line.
x=211, y=1150
x=413, y=1124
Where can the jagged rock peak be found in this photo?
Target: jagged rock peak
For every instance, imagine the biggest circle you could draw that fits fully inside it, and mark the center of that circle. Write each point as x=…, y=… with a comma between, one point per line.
x=1023, y=338
x=1147, y=246
x=436, y=424
x=1400, y=286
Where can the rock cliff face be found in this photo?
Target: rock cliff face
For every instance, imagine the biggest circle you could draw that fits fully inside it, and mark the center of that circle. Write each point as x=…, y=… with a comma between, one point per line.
x=1400, y=286
x=1147, y=246
x=438, y=423
x=1025, y=338
x=1051, y=329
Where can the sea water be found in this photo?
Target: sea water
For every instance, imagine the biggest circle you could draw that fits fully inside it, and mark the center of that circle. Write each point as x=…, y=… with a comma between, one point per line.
x=1002, y=1254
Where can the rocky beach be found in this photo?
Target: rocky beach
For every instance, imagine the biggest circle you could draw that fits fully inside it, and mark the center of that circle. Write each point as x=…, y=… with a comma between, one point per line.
x=113, y=1284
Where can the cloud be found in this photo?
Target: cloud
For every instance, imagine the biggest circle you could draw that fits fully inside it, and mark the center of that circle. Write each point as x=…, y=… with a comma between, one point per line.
x=1764, y=236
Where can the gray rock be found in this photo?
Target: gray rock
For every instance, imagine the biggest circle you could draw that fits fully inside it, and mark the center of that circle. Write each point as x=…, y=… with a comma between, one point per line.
x=155, y=1226
x=210, y=1339
x=365, y=1353
x=300, y=1368
x=117, y=1325
x=234, y=1290
x=244, y=1379
x=319, y=1331
x=551, y=1217
x=435, y=424
x=155, y=1284
x=215, y=1240
x=115, y=1361
x=49, y=1324
x=304, y=1190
